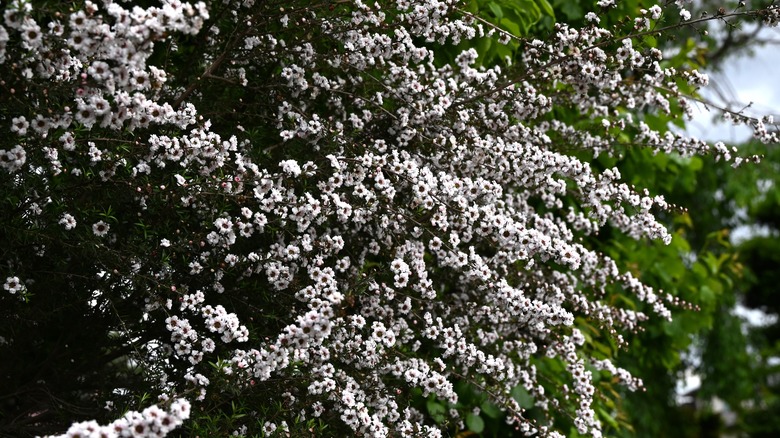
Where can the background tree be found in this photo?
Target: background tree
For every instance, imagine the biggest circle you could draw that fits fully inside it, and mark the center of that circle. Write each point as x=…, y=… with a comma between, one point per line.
x=737, y=363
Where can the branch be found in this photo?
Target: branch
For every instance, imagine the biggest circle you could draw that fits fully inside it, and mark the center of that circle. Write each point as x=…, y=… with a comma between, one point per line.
x=557, y=61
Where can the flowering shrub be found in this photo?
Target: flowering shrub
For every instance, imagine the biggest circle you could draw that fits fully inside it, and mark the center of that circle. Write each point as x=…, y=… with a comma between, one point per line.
x=152, y=422
x=307, y=208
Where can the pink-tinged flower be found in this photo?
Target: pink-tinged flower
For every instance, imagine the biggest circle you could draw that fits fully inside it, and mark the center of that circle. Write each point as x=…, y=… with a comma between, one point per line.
x=56, y=28
x=68, y=221
x=68, y=141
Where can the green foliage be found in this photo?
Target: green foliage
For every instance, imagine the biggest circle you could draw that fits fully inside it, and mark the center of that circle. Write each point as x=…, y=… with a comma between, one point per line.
x=514, y=18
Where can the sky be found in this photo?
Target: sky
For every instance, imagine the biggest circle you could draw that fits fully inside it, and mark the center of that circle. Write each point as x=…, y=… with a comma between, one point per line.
x=744, y=79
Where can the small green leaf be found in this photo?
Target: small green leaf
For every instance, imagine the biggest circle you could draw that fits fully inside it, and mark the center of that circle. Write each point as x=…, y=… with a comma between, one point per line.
x=545, y=6
x=436, y=410
x=491, y=410
x=604, y=415
x=603, y=349
x=511, y=26
x=475, y=423
x=496, y=10
x=523, y=398
x=572, y=10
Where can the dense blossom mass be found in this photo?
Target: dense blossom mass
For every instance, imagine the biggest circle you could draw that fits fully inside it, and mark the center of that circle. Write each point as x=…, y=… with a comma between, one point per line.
x=333, y=204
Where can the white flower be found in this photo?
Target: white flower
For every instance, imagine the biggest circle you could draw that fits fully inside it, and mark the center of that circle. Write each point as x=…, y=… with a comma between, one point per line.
x=14, y=159
x=68, y=221
x=99, y=104
x=223, y=225
x=685, y=15
x=269, y=427
x=290, y=167
x=140, y=80
x=19, y=125
x=31, y=34
x=68, y=141
x=655, y=12
x=592, y=18
x=13, y=285
x=100, y=228
x=79, y=40
x=56, y=28
x=95, y=154
x=41, y=125
x=86, y=115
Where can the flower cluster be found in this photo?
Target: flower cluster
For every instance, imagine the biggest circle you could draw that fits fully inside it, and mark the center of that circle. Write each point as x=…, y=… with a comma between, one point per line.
x=341, y=218
x=152, y=422
x=104, y=65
